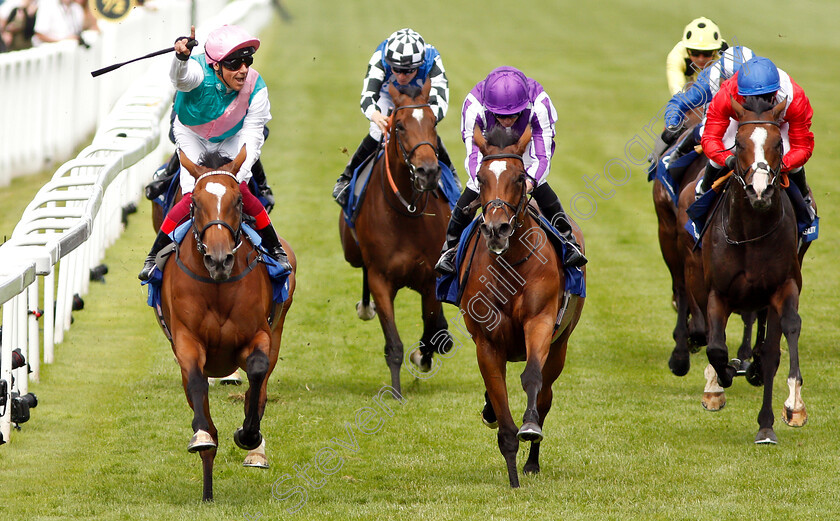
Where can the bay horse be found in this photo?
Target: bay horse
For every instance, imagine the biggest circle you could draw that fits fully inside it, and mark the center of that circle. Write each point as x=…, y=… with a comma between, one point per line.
x=508, y=256
x=216, y=300
x=678, y=252
x=396, y=241
x=751, y=261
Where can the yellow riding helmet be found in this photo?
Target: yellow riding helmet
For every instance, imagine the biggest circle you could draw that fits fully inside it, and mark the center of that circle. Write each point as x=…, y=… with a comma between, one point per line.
x=702, y=34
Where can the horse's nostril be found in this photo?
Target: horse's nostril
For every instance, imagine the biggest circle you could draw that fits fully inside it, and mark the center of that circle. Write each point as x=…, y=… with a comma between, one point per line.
x=505, y=230
x=228, y=260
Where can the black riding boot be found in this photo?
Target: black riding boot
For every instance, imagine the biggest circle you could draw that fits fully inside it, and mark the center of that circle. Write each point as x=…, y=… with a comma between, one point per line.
x=552, y=209
x=711, y=174
x=258, y=173
x=162, y=178
x=462, y=215
x=366, y=148
x=798, y=178
x=161, y=241
x=272, y=245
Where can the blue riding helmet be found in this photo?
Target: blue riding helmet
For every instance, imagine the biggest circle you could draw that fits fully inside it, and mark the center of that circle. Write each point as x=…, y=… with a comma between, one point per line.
x=758, y=76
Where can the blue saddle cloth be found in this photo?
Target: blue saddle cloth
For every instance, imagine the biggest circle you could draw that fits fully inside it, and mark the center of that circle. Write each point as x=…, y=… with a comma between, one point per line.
x=663, y=170
x=279, y=277
x=448, y=287
x=448, y=184
x=809, y=228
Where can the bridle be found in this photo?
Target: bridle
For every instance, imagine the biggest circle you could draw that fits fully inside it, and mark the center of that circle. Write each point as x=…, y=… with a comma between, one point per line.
x=741, y=176
x=406, y=155
x=513, y=220
x=199, y=234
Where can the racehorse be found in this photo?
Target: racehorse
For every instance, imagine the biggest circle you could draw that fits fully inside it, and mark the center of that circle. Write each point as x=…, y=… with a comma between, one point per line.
x=397, y=240
x=680, y=258
x=216, y=301
x=751, y=263
x=518, y=280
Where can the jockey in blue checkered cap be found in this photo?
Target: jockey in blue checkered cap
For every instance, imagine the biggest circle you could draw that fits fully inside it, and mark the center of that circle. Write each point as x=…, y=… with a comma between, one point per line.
x=403, y=58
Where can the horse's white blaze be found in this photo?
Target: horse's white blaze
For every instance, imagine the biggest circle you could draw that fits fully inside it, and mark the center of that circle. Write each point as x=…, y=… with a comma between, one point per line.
x=497, y=167
x=218, y=190
x=794, y=401
x=418, y=115
x=761, y=176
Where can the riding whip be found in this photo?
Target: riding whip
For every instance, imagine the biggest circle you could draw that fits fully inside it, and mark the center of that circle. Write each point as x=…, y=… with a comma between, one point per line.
x=190, y=45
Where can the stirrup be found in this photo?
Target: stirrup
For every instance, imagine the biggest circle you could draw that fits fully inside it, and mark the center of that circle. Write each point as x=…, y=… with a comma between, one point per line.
x=340, y=191
x=574, y=258
x=446, y=264
x=148, y=267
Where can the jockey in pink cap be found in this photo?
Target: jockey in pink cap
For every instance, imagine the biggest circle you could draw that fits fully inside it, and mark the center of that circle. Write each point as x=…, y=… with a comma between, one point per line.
x=221, y=105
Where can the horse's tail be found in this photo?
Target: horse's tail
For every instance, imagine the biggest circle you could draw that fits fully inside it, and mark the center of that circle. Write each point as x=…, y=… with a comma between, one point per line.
x=364, y=308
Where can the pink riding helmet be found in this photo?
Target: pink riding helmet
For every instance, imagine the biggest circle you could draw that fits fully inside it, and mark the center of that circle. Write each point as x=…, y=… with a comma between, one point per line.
x=506, y=91
x=226, y=40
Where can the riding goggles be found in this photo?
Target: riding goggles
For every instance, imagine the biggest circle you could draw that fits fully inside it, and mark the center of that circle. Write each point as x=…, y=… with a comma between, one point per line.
x=398, y=70
x=696, y=54
x=234, y=64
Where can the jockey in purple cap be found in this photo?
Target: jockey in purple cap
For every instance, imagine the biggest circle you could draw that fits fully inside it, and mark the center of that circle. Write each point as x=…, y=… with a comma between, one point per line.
x=221, y=105
x=509, y=99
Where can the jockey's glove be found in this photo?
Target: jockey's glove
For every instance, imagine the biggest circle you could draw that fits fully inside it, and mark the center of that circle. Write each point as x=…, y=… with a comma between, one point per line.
x=730, y=162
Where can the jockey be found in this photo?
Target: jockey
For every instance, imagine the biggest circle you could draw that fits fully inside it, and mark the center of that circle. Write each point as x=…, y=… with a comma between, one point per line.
x=221, y=104
x=759, y=77
x=699, y=47
x=700, y=94
x=509, y=99
x=402, y=59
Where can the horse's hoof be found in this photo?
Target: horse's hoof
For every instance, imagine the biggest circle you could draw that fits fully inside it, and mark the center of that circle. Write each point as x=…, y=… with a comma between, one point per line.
x=417, y=359
x=530, y=432
x=242, y=444
x=679, y=366
x=365, y=312
x=232, y=379
x=714, y=401
x=795, y=418
x=201, y=440
x=532, y=470
x=694, y=342
x=753, y=374
x=490, y=424
x=256, y=458
x=766, y=436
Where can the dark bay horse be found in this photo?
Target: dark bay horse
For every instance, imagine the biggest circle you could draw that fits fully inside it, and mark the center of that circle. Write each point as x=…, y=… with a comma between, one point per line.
x=401, y=227
x=678, y=252
x=513, y=297
x=751, y=262
x=216, y=301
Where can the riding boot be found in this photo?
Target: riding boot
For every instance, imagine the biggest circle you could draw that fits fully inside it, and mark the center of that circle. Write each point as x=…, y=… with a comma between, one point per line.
x=797, y=177
x=258, y=173
x=366, y=148
x=272, y=245
x=462, y=215
x=162, y=178
x=711, y=174
x=161, y=241
x=685, y=146
x=552, y=209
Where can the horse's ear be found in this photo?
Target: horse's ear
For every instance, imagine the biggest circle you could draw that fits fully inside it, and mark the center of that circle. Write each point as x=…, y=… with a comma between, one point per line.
x=189, y=165
x=737, y=107
x=524, y=139
x=478, y=139
x=427, y=88
x=393, y=91
x=778, y=109
x=240, y=158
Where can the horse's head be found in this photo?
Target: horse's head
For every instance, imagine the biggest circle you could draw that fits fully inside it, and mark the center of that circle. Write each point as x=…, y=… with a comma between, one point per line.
x=413, y=131
x=501, y=180
x=758, y=149
x=216, y=210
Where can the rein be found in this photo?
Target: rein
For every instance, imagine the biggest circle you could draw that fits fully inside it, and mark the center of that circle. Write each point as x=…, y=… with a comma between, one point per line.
x=411, y=207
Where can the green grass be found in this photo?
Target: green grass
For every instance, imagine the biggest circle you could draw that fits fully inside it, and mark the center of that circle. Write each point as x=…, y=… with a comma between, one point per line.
x=624, y=440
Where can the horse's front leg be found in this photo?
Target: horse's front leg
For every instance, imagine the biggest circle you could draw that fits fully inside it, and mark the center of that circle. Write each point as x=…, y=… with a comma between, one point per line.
x=787, y=304
x=718, y=312
x=491, y=363
x=436, y=337
x=771, y=354
x=205, y=438
x=537, y=344
x=383, y=292
x=257, y=365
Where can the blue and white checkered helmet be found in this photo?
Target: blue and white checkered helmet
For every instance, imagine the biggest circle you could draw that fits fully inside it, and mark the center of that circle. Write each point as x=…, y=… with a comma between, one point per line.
x=405, y=49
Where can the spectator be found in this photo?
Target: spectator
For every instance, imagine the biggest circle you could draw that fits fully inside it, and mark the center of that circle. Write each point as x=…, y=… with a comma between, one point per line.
x=61, y=20
x=17, y=23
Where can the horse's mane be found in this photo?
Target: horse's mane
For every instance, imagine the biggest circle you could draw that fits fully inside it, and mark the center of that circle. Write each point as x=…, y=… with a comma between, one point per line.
x=757, y=104
x=213, y=159
x=499, y=137
x=409, y=90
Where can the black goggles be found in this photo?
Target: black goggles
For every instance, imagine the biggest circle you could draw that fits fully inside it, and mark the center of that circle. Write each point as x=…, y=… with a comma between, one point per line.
x=696, y=54
x=234, y=64
x=399, y=70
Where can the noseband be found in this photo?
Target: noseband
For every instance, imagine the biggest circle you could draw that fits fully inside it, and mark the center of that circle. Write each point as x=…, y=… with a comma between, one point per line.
x=740, y=176
x=199, y=234
x=406, y=154
x=513, y=220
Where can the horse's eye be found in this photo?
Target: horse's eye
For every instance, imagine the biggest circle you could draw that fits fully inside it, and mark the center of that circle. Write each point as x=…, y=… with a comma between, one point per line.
x=400, y=127
x=521, y=178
